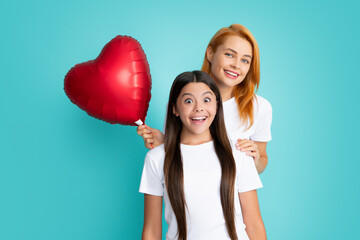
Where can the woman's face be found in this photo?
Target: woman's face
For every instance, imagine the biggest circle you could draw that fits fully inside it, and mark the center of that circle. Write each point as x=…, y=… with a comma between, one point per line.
x=231, y=62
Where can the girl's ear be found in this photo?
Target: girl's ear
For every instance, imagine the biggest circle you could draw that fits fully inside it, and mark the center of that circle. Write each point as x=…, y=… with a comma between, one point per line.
x=209, y=54
x=175, y=112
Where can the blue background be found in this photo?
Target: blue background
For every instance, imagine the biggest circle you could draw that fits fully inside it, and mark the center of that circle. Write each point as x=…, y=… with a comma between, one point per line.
x=65, y=175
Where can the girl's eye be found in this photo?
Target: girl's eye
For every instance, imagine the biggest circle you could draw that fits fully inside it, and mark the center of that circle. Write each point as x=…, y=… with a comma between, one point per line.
x=207, y=100
x=188, y=101
x=228, y=54
x=245, y=61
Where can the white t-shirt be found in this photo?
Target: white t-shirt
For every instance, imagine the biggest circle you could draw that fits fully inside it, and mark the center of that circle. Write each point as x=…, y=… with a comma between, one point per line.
x=259, y=131
x=202, y=178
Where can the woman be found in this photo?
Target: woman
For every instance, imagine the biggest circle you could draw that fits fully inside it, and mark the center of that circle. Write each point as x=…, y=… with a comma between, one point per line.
x=232, y=60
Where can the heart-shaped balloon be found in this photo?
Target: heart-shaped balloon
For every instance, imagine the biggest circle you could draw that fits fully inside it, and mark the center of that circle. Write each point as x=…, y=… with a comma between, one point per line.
x=115, y=87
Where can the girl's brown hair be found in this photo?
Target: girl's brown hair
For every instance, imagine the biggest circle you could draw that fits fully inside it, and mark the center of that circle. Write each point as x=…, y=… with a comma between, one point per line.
x=173, y=167
x=244, y=92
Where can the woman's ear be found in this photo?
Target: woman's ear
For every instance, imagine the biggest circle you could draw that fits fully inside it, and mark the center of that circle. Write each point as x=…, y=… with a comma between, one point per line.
x=209, y=54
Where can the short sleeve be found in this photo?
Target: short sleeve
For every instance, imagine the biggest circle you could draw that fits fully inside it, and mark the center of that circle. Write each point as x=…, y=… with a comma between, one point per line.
x=247, y=176
x=262, y=124
x=151, y=180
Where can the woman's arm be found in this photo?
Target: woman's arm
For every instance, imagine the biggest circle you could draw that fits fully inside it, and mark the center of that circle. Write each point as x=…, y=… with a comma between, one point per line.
x=255, y=228
x=263, y=159
x=152, y=218
x=152, y=137
x=257, y=150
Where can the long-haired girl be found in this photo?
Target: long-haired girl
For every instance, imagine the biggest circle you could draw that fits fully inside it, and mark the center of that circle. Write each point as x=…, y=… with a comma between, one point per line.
x=209, y=190
x=232, y=59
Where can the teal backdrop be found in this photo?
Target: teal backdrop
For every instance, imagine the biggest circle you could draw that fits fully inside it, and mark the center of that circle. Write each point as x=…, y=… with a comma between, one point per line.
x=66, y=175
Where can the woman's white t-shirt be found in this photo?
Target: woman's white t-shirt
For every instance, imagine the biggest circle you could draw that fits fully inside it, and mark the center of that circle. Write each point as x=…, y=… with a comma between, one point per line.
x=259, y=131
x=202, y=178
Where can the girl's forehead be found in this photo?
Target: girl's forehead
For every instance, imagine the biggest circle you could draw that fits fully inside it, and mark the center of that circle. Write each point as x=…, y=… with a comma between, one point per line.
x=196, y=88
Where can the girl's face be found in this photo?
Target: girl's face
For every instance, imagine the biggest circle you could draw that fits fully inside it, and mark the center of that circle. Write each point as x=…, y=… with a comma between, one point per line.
x=231, y=61
x=196, y=106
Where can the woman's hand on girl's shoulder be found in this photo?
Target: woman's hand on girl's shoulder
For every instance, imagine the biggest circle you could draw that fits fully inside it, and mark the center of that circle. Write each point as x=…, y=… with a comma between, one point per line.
x=257, y=150
x=152, y=137
x=249, y=147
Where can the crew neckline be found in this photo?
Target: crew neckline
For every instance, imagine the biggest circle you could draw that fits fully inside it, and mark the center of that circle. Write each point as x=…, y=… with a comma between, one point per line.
x=231, y=100
x=201, y=145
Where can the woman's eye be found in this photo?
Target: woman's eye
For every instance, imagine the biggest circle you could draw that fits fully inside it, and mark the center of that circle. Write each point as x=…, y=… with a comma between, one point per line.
x=245, y=61
x=228, y=54
x=207, y=100
x=188, y=101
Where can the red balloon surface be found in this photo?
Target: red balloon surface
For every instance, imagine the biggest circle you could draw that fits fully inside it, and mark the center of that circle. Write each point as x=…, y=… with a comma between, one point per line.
x=115, y=87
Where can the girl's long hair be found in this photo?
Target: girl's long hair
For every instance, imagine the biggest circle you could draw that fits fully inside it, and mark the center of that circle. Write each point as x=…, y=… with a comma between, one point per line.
x=173, y=166
x=244, y=92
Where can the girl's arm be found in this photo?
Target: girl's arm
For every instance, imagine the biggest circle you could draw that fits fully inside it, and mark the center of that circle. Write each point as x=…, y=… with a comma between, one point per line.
x=257, y=150
x=152, y=218
x=255, y=228
x=152, y=137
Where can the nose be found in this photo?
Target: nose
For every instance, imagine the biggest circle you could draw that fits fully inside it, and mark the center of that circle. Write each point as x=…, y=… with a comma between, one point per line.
x=236, y=63
x=199, y=106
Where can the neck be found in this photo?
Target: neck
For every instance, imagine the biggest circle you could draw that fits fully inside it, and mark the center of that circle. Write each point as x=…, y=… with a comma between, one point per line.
x=226, y=93
x=195, y=139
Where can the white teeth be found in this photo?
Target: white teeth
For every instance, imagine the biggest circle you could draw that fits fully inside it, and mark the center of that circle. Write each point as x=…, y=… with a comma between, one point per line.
x=231, y=73
x=198, y=118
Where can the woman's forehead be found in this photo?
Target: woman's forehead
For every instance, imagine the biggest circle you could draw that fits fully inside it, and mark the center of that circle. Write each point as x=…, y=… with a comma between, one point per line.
x=237, y=44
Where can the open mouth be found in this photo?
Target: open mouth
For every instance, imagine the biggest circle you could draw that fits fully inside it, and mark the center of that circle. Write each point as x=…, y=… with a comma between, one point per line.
x=198, y=120
x=231, y=74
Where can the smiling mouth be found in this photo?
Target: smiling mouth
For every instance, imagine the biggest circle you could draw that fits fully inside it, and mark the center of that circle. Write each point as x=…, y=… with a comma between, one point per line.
x=198, y=120
x=232, y=74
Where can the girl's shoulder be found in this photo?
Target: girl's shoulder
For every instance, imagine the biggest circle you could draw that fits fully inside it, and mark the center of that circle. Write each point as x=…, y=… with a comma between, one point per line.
x=157, y=154
x=241, y=158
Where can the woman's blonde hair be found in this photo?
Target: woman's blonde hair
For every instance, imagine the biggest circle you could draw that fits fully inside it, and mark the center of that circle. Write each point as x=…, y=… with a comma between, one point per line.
x=244, y=92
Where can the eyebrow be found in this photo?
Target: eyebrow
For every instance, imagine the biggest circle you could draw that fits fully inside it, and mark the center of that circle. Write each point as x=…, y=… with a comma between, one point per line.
x=232, y=50
x=193, y=95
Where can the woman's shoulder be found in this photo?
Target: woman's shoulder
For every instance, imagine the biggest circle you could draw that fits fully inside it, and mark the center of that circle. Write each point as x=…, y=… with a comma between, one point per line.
x=262, y=105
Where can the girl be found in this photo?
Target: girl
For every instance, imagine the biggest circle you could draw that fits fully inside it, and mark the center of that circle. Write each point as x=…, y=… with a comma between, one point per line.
x=232, y=59
x=209, y=193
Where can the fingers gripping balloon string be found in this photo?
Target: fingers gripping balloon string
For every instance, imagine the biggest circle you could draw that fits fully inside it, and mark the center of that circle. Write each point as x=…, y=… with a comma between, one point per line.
x=139, y=123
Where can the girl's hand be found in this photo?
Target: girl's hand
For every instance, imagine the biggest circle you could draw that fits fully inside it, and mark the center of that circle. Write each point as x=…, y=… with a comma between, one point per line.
x=152, y=137
x=251, y=149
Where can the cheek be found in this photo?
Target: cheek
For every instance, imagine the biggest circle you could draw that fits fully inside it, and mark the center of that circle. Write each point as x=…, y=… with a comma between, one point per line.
x=246, y=69
x=213, y=111
x=184, y=112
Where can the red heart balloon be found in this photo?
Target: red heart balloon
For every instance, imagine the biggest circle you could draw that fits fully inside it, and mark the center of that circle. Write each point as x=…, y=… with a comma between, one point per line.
x=115, y=87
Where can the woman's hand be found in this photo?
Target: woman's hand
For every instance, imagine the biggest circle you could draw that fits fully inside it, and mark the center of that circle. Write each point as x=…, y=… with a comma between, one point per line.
x=248, y=146
x=255, y=149
x=152, y=137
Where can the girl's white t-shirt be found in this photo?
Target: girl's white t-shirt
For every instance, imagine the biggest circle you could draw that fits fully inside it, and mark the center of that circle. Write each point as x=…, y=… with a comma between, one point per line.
x=202, y=178
x=259, y=131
